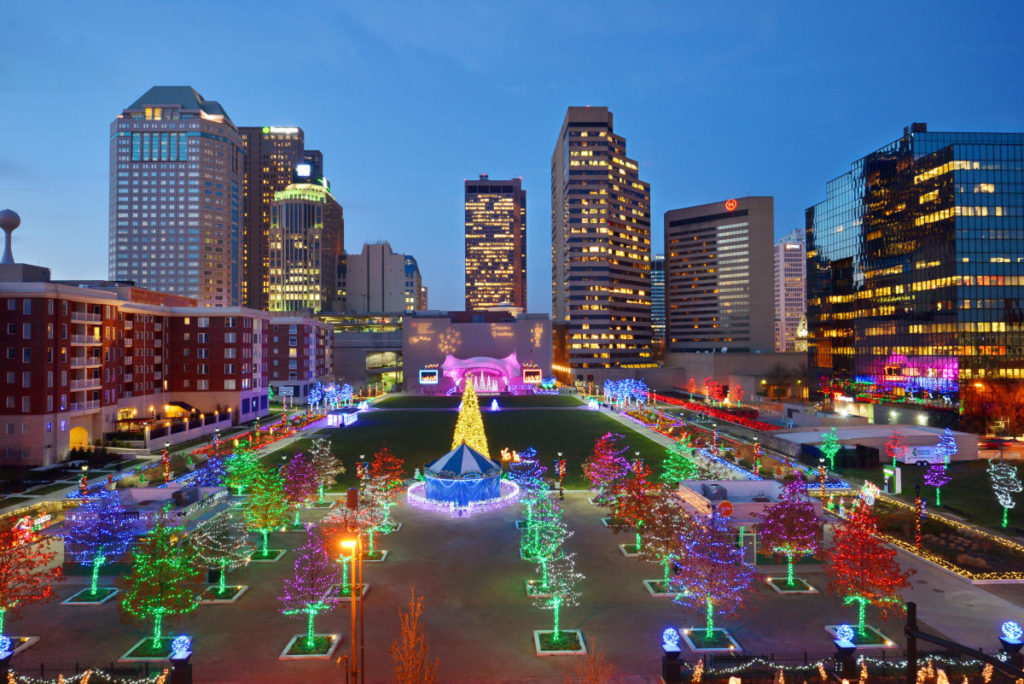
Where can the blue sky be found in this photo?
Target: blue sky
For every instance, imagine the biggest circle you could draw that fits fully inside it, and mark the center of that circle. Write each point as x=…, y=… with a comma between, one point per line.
x=407, y=100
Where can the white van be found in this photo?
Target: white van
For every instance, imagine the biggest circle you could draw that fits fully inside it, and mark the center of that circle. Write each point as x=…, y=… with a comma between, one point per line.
x=922, y=455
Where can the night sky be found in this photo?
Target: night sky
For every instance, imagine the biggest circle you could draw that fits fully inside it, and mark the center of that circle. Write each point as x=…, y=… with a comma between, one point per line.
x=406, y=100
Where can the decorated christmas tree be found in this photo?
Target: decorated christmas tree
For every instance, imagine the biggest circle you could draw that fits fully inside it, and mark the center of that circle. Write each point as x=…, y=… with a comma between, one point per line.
x=562, y=580
x=387, y=471
x=27, y=569
x=862, y=569
x=633, y=501
x=691, y=387
x=164, y=580
x=469, y=428
x=664, y=522
x=327, y=466
x=301, y=483
x=790, y=527
x=896, y=447
x=1005, y=484
x=937, y=476
x=947, y=445
x=542, y=541
x=98, y=532
x=223, y=543
x=242, y=467
x=606, y=467
x=266, y=508
x=713, y=577
x=308, y=591
x=678, y=463
x=830, y=447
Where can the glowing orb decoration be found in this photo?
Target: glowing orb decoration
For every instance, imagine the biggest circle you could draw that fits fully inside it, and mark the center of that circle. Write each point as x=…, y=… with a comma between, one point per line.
x=181, y=646
x=363, y=406
x=5, y=644
x=869, y=492
x=844, y=633
x=670, y=639
x=1011, y=631
x=731, y=204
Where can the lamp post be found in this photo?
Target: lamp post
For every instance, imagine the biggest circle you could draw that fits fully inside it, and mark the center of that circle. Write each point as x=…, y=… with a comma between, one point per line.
x=354, y=547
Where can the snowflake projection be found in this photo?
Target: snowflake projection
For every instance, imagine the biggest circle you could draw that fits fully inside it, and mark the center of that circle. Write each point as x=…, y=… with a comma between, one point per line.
x=448, y=341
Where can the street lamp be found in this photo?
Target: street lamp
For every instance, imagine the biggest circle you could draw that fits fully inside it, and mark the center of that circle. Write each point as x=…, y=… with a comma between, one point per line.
x=356, y=666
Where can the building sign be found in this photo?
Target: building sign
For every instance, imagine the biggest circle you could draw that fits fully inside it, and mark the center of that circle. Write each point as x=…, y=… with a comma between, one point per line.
x=730, y=205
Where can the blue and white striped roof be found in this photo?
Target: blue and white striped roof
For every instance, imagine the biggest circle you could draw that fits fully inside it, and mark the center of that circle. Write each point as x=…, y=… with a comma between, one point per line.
x=462, y=461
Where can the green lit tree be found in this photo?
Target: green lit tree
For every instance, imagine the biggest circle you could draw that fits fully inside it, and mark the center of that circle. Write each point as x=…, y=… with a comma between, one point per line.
x=542, y=541
x=830, y=447
x=678, y=463
x=242, y=467
x=267, y=507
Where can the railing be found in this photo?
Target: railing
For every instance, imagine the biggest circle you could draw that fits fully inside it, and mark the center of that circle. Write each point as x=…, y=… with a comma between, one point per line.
x=128, y=325
x=84, y=317
x=128, y=360
x=85, y=384
x=85, y=405
x=128, y=377
x=85, y=361
x=85, y=339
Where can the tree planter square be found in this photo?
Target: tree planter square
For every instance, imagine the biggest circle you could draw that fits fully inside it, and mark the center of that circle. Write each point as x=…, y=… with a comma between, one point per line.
x=337, y=593
x=533, y=589
x=323, y=647
x=522, y=524
x=592, y=501
x=570, y=642
x=629, y=550
x=272, y=556
x=607, y=522
x=392, y=528
x=85, y=597
x=144, y=650
x=301, y=527
x=721, y=641
x=659, y=588
x=377, y=556
x=799, y=586
x=230, y=595
x=20, y=643
x=872, y=639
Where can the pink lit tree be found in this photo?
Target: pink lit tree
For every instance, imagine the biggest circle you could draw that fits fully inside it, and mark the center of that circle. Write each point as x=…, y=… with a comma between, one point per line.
x=896, y=447
x=308, y=591
x=790, y=527
x=301, y=483
x=633, y=501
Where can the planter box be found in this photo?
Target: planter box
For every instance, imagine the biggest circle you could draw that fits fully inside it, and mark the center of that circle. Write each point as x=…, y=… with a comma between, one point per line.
x=142, y=651
x=326, y=654
x=273, y=556
x=721, y=641
x=335, y=592
x=656, y=588
x=392, y=528
x=379, y=556
x=873, y=639
x=533, y=589
x=571, y=638
x=233, y=593
x=85, y=597
x=800, y=586
x=521, y=524
x=20, y=643
x=625, y=548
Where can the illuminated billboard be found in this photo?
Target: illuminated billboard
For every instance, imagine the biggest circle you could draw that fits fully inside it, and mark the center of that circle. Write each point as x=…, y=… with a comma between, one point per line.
x=531, y=376
x=429, y=376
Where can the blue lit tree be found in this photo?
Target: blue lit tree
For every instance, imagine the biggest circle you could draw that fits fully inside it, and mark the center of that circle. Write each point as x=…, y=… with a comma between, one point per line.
x=98, y=532
x=528, y=474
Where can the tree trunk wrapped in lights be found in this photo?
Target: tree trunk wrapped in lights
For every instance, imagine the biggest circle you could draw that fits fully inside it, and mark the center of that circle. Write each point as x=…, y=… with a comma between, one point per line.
x=562, y=580
x=388, y=471
x=664, y=521
x=896, y=447
x=266, y=508
x=790, y=527
x=830, y=447
x=678, y=464
x=242, y=468
x=300, y=483
x=542, y=541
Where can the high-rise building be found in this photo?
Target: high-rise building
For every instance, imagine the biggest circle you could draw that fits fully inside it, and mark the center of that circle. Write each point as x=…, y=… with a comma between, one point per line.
x=307, y=242
x=718, y=291
x=379, y=280
x=601, y=245
x=915, y=262
x=658, y=304
x=274, y=157
x=495, y=243
x=790, y=289
x=175, y=196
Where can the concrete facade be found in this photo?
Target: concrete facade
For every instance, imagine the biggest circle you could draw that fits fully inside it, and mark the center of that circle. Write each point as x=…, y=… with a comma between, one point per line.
x=379, y=279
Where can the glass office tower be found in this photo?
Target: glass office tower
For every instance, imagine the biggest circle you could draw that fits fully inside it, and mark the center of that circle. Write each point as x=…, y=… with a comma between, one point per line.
x=915, y=262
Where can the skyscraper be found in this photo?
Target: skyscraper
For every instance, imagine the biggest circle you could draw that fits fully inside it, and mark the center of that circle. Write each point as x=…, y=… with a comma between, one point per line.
x=790, y=289
x=274, y=156
x=379, y=280
x=601, y=245
x=495, y=243
x=307, y=242
x=658, y=304
x=175, y=195
x=915, y=262
x=718, y=288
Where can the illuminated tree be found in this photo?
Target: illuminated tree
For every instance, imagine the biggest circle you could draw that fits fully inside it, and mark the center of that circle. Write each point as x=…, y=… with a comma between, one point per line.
x=790, y=527
x=678, y=465
x=266, y=508
x=308, y=592
x=327, y=466
x=606, y=467
x=737, y=394
x=388, y=471
x=164, y=580
x=947, y=445
x=1005, y=484
x=561, y=581
x=343, y=523
x=242, y=467
x=222, y=542
x=936, y=476
x=528, y=474
x=409, y=653
x=469, y=428
x=830, y=447
x=632, y=501
x=211, y=474
x=863, y=569
x=542, y=541
x=300, y=483
x=376, y=498
x=691, y=387
x=896, y=447
x=98, y=532
x=26, y=575
x=664, y=523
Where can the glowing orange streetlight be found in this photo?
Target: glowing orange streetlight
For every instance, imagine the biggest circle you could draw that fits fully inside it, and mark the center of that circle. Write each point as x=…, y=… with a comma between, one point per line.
x=353, y=546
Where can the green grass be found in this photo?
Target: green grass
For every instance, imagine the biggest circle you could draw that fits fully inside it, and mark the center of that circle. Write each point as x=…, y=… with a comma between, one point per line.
x=321, y=644
x=49, y=489
x=422, y=436
x=13, y=501
x=970, y=492
x=525, y=401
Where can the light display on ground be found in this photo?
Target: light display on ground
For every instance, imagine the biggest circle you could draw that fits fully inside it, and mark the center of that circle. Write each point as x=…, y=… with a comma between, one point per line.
x=416, y=497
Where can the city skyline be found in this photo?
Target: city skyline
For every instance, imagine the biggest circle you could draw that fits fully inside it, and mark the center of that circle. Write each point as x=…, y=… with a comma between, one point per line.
x=790, y=110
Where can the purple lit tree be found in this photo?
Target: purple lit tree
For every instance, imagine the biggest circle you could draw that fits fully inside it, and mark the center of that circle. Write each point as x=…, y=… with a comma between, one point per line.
x=936, y=476
x=96, y=533
x=790, y=527
x=300, y=483
x=713, y=576
x=308, y=591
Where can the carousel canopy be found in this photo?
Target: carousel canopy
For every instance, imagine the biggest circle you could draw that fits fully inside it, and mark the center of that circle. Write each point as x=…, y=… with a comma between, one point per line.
x=463, y=462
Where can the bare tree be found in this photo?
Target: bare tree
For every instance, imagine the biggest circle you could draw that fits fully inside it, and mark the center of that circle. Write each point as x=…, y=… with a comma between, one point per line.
x=410, y=652
x=593, y=668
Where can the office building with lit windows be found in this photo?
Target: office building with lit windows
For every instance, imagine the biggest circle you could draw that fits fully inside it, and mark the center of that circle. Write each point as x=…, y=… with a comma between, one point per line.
x=379, y=280
x=175, y=196
x=601, y=248
x=718, y=283
x=790, y=289
x=658, y=304
x=495, y=243
x=307, y=243
x=273, y=158
x=915, y=263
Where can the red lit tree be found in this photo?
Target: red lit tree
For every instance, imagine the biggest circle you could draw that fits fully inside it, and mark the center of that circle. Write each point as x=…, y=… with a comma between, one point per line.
x=606, y=467
x=301, y=483
x=665, y=521
x=790, y=527
x=862, y=569
x=737, y=394
x=691, y=387
x=25, y=572
x=896, y=447
x=387, y=472
x=633, y=501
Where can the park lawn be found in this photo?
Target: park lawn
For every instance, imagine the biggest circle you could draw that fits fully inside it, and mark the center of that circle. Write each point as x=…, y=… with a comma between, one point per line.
x=968, y=495
x=422, y=436
x=525, y=401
